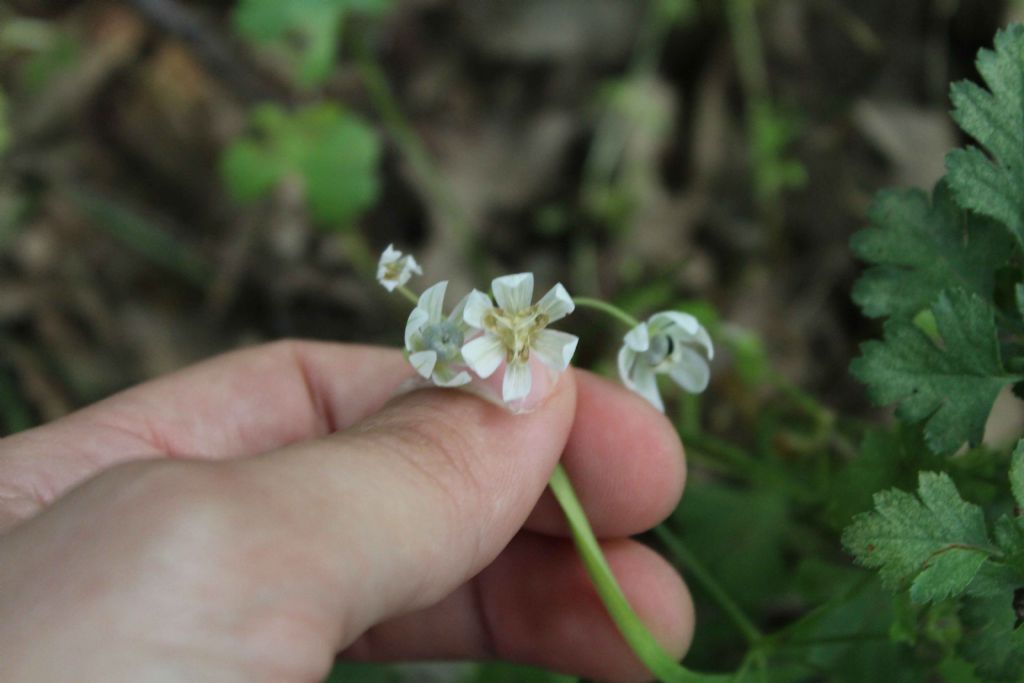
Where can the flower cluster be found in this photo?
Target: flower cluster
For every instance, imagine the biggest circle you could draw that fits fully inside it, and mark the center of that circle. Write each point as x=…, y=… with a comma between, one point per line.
x=481, y=334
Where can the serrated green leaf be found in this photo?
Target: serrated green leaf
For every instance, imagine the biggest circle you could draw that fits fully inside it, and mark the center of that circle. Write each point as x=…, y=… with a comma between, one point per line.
x=990, y=182
x=920, y=247
x=954, y=387
x=936, y=540
x=332, y=151
x=1017, y=474
x=991, y=640
x=305, y=31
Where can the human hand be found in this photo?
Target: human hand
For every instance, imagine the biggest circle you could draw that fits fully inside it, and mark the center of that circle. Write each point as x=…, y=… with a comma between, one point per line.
x=250, y=517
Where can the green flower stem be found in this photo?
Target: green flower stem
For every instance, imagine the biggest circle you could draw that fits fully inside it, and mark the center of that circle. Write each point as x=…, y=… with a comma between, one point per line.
x=630, y=626
x=409, y=295
x=605, y=307
x=707, y=579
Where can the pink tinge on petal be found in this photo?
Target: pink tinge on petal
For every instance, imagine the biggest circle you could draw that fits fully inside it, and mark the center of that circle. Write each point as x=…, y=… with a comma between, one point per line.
x=543, y=381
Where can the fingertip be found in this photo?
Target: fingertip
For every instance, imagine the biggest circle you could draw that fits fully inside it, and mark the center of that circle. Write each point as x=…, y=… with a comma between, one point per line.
x=543, y=608
x=625, y=460
x=668, y=611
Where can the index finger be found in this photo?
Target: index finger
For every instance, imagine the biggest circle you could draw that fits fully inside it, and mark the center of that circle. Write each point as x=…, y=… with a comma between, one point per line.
x=260, y=399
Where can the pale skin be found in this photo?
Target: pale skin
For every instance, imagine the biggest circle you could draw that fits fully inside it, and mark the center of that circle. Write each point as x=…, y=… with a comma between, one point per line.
x=254, y=516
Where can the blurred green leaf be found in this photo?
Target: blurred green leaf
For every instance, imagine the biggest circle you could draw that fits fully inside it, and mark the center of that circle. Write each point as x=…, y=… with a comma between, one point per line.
x=993, y=641
x=887, y=459
x=306, y=32
x=755, y=522
x=5, y=135
x=774, y=130
x=353, y=672
x=332, y=151
x=508, y=673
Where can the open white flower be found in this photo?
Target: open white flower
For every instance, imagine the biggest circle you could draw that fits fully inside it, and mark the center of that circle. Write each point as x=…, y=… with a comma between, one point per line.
x=513, y=329
x=394, y=269
x=434, y=342
x=669, y=343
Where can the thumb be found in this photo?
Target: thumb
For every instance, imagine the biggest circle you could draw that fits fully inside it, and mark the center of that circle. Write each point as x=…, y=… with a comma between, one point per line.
x=416, y=499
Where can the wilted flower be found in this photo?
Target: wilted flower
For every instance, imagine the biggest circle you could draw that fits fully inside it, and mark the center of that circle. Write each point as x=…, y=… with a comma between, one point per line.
x=434, y=342
x=514, y=329
x=394, y=269
x=669, y=343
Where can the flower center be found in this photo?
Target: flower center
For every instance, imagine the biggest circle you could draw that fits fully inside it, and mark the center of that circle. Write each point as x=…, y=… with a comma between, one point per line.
x=660, y=350
x=445, y=338
x=516, y=331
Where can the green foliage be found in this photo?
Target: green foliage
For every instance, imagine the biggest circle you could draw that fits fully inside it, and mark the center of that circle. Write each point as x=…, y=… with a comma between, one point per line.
x=990, y=181
x=351, y=672
x=940, y=545
x=952, y=386
x=5, y=136
x=331, y=151
x=921, y=247
x=774, y=130
x=507, y=673
x=305, y=32
x=993, y=641
x=886, y=459
x=935, y=540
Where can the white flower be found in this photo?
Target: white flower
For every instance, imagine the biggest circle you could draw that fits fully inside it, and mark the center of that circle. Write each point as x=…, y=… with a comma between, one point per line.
x=669, y=343
x=514, y=329
x=394, y=269
x=434, y=342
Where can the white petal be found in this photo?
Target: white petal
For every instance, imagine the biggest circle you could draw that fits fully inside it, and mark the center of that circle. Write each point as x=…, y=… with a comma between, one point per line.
x=517, y=382
x=555, y=348
x=390, y=255
x=685, y=340
x=627, y=359
x=638, y=338
x=424, y=362
x=477, y=303
x=447, y=379
x=417, y=319
x=484, y=354
x=704, y=340
x=556, y=304
x=514, y=293
x=411, y=266
x=691, y=372
x=645, y=383
x=432, y=301
x=456, y=317
x=665, y=319
x=684, y=328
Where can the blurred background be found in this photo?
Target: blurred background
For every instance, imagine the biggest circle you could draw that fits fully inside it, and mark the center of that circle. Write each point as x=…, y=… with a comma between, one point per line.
x=179, y=178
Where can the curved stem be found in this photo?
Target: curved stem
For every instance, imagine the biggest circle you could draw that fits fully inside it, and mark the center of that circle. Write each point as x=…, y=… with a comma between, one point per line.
x=605, y=307
x=640, y=640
